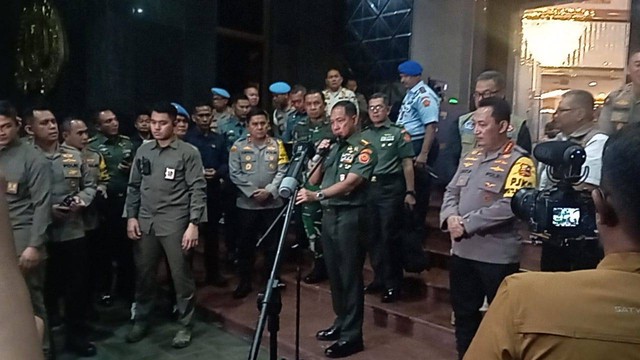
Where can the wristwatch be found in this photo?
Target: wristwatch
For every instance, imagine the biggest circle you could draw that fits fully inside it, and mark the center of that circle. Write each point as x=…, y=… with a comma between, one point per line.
x=412, y=193
x=320, y=196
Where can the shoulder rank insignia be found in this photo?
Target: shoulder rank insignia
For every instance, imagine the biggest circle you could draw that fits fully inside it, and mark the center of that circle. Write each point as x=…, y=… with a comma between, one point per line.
x=468, y=164
x=497, y=169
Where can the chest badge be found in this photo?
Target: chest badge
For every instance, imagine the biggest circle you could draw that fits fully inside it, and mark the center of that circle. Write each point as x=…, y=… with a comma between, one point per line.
x=169, y=174
x=248, y=167
x=12, y=188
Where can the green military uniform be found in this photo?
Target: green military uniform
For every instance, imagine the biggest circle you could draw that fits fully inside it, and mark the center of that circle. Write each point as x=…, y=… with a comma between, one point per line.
x=28, y=177
x=312, y=132
x=517, y=131
x=232, y=130
x=67, y=275
x=253, y=167
x=167, y=191
x=343, y=227
x=115, y=246
x=385, y=201
x=621, y=107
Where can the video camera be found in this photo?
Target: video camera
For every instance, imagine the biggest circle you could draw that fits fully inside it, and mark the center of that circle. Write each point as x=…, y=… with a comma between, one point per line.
x=562, y=213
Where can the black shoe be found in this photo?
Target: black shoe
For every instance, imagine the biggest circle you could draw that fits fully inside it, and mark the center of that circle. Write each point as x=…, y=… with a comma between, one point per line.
x=390, y=295
x=330, y=334
x=81, y=348
x=343, y=348
x=243, y=289
x=105, y=300
x=373, y=287
x=217, y=280
x=318, y=274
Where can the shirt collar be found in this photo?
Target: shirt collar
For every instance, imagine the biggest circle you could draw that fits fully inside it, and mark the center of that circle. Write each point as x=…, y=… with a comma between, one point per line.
x=416, y=86
x=625, y=261
x=173, y=144
x=584, y=130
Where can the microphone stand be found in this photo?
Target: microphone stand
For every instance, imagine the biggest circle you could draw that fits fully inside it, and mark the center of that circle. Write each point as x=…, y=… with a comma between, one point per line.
x=270, y=304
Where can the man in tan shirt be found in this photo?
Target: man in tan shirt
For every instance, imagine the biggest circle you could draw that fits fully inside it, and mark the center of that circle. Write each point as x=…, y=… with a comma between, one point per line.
x=588, y=314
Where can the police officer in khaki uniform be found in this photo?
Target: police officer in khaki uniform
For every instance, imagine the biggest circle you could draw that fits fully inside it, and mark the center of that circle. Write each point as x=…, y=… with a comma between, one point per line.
x=589, y=314
x=335, y=92
x=72, y=190
x=257, y=165
x=392, y=185
x=117, y=151
x=344, y=176
x=622, y=106
x=76, y=135
x=488, y=84
x=312, y=129
x=166, y=202
x=28, y=180
x=476, y=210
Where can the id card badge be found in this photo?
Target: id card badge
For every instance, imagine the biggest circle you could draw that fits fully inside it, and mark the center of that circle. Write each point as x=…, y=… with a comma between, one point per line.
x=169, y=173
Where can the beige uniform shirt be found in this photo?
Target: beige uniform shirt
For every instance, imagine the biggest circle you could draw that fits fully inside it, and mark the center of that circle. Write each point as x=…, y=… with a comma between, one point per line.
x=620, y=108
x=481, y=192
x=331, y=98
x=70, y=176
x=253, y=167
x=585, y=315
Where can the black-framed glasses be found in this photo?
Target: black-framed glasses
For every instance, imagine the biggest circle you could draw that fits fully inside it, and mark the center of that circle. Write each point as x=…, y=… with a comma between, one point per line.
x=485, y=94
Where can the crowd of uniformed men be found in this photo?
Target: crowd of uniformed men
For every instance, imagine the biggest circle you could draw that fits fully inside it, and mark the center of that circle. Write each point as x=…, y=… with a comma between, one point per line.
x=93, y=216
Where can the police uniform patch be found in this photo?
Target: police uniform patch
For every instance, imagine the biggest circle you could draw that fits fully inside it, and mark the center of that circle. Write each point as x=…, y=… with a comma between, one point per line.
x=364, y=158
x=406, y=136
x=12, y=188
x=426, y=102
x=525, y=170
x=516, y=180
x=73, y=172
x=169, y=173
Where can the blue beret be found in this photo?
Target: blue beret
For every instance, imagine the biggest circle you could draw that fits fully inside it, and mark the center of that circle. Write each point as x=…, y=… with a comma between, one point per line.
x=280, y=87
x=181, y=110
x=410, y=67
x=220, y=92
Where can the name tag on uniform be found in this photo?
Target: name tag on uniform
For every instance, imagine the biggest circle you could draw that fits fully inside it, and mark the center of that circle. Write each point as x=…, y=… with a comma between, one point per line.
x=169, y=173
x=12, y=188
x=387, y=137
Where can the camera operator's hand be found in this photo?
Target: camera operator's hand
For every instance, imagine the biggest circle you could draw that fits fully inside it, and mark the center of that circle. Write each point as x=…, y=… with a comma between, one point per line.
x=456, y=227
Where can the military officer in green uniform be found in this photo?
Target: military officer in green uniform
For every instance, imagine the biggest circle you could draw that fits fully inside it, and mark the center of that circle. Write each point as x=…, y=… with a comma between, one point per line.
x=312, y=129
x=257, y=164
x=76, y=135
x=236, y=127
x=72, y=190
x=343, y=176
x=117, y=151
x=391, y=183
x=296, y=98
x=622, y=106
x=166, y=201
x=28, y=177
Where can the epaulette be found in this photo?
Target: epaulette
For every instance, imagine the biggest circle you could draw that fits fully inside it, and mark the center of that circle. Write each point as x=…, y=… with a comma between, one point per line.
x=124, y=137
x=364, y=142
x=93, y=139
x=422, y=90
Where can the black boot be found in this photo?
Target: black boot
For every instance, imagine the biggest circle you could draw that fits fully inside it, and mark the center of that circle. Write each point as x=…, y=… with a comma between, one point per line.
x=319, y=272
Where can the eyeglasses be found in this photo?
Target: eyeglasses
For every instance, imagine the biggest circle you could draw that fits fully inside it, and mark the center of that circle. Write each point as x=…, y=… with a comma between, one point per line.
x=375, y=108
x=485, y=94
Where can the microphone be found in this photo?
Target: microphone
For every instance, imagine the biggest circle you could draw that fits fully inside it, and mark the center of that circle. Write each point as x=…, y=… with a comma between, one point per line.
x=324, y=152
x=558, y=153
x=290, y=181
